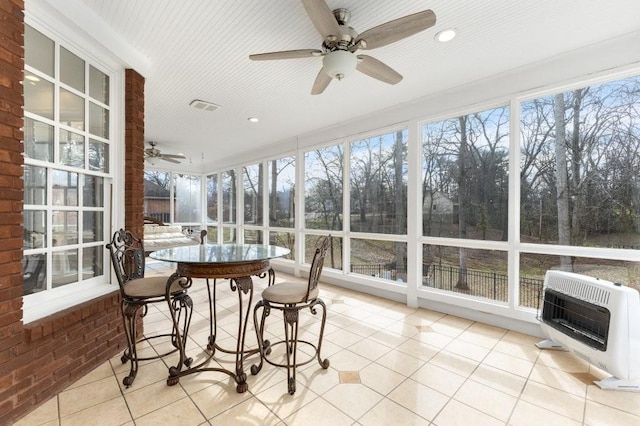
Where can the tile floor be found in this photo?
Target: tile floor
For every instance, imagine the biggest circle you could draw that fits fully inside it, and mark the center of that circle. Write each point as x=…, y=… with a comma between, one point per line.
x=390, y=365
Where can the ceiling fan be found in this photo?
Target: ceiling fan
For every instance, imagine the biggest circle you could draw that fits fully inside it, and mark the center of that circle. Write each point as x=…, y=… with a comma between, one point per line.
x=341, y=42
x=153, y=154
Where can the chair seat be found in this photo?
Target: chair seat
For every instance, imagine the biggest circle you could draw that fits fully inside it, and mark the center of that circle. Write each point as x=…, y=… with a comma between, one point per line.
x=142, y=288
x=288, y=292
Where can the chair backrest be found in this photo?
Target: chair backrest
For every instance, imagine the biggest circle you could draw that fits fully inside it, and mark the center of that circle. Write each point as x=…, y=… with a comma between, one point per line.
x=322, y=246
x=127, y=256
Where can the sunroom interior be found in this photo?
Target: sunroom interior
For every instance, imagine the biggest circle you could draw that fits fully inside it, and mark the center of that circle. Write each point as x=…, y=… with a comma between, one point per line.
x=511, y=150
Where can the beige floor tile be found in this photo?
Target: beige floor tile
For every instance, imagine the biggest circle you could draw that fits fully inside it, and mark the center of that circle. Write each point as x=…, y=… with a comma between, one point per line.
x=152, y=397
x=401, y=362
x=478, y=338
x=526, y=352
x=103, y=371
x=278, y=400
x=418, y=349
x=319, y=412
x=444, y=381
x=153, y=372
x=598, y=414
x=47, y=413
x=388, y=338
x=457, y=413
x=625, y=401
x=182, y=412
x=388, y=413
x=343, y=338
x=346, y=360
x=486, y=399
x=251, y=412
x=379, y=378
x=433, y=338
x=527, y=414
x=353, y=399
x=557, y=401
x=565, y=361
x=317, y=379
x=501, y=380
x=370, y=349
x=85, y=396
x=558, y=379
x=218, y=397
x=511, y=364
x=454, y=362
x=421, y=399
x=467, y=349
x=112, y=412
x=520, y=338
x=487, y=330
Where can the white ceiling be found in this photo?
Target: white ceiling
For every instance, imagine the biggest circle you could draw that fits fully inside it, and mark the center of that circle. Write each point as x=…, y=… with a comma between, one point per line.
x=199, y=49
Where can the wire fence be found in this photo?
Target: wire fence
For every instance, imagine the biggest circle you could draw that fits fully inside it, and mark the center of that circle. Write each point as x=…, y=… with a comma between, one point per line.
x=489, y=285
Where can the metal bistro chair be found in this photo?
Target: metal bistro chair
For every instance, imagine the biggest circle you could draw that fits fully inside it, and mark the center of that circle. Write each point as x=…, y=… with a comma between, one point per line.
x=128, y=259
x=291, y=298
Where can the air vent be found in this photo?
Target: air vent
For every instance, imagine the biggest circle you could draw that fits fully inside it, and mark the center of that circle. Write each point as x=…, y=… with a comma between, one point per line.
x=207, y=106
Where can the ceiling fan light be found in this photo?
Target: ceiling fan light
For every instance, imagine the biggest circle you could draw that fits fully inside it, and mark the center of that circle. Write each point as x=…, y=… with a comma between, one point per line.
x=152, y=160
x=339, y=64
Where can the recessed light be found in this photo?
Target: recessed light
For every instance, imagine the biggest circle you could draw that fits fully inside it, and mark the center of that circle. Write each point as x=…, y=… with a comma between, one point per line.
x=446, y=35
x=253, y=119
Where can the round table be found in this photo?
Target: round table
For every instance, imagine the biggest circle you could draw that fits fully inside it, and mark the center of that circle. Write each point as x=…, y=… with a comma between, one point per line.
x=236, y=262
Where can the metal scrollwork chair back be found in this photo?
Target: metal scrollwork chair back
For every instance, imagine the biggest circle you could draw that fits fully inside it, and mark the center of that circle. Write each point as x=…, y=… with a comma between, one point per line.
x=137, y=291
x=291, y=298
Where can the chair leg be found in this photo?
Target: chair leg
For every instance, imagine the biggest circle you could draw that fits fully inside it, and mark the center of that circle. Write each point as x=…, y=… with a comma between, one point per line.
x=180, y=304
x=263, y=345
x=129, y=313
x=324, y=363
x=290, y=316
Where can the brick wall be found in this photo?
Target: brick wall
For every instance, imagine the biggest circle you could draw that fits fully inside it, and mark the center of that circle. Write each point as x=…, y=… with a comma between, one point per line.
x=134, y=152
x=39, y=360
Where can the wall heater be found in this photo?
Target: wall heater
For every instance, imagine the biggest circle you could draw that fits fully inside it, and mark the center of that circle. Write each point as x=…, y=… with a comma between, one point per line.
x=597, y=320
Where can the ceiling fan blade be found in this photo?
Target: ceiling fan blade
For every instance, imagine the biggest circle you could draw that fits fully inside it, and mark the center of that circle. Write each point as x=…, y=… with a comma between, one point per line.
x=172, y=156
x=322, y=18
x=286, y=54
x=397, y=29
x=171, y=160
x=321, y=83
x=378, y=70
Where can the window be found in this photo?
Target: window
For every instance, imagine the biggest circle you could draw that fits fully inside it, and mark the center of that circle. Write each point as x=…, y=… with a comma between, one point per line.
x=378, y=176
x=323, y=188
x=157, y=195
x=252, y=184
x=465, y=173
x=66, y=166
x=187, y=198
x=282, y=185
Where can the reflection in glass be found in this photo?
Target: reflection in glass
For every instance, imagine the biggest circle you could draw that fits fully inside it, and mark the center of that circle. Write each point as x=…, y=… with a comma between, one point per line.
x=65, y=188
x=38, y=50
x=187, y=198
x=212, y=198
x=92, y=223
x=93, y=191
x=212, y=234
x=228, y=235
x=35, y=185
x=478, y=273
x=283, y=239
x=35, y=229
x=38, y=95
x=71, y=149
x=34, y=273
x=71, y=70
x=157, y=203
x=92, y=262
x=98, y=156
x=71, y=109
x=38, y=140
x=382, y=259
x=64, y=268
x=252, y=236
x=378, y=177
x=65, y=227
x=98, y=85
x=228, y=179
x=252, y=183
x=98, y=121
x=282, y=179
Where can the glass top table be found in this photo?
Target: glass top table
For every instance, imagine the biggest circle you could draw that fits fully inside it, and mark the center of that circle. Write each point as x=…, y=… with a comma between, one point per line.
x=236, y=262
